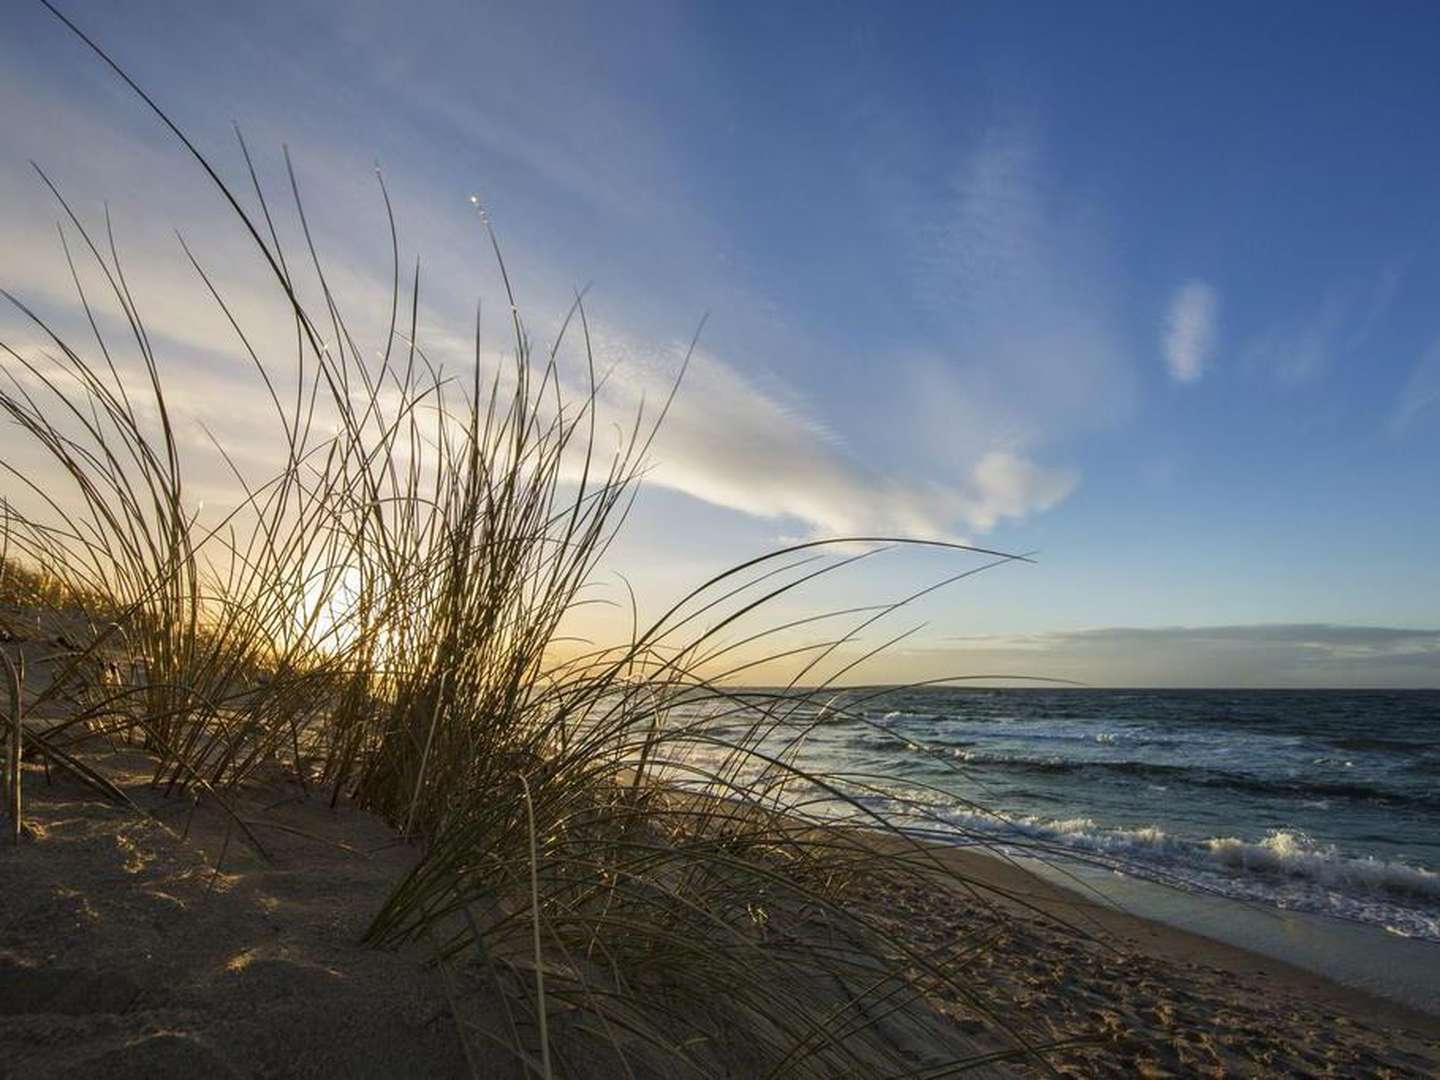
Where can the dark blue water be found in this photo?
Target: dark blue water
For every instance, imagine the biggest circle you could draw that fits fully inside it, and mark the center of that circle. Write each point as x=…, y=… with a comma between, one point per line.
x=1319, y=801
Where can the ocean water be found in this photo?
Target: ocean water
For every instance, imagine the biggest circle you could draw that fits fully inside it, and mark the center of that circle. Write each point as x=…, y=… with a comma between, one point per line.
x=1326, y=802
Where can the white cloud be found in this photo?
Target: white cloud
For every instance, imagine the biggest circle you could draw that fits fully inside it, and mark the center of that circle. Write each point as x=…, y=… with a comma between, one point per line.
x=1190, y=329
x=1013, y=276
x=726, y=440
x=1024, y=347
x=1004, y=484
x=732, y=444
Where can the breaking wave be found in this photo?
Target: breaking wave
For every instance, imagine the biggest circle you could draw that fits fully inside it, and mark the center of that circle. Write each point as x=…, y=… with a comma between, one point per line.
x=1286, y=869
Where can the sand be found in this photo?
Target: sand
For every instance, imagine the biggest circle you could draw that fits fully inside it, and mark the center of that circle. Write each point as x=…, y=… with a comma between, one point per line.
x=124, y=952
x=1162, y=1001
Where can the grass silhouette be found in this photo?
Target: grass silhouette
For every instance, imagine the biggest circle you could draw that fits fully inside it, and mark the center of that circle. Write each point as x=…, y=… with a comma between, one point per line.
x=638, y=856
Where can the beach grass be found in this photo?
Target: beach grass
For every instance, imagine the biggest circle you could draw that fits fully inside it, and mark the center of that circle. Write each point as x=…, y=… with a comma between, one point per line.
x=636, y=858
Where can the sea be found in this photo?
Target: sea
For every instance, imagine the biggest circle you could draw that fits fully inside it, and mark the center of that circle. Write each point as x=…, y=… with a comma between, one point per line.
x=1324, y=802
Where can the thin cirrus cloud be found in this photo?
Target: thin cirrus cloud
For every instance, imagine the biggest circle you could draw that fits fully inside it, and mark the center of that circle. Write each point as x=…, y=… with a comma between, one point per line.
x=730, y=443
x=1420, y=397
x=729, y=440
x=1299, y=349
x=1017, y=285
x=1012, y=274
x=726, y=440
x=1021, y=283
x=1190, y=331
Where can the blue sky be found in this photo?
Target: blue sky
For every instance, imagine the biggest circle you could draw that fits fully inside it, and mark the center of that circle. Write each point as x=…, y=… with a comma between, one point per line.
x=1146, y=288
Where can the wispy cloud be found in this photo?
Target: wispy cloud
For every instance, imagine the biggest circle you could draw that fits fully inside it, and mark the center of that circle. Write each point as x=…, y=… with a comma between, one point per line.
x=1190, y=330
x=1023, y=346
x=1297, y=350
x=1421, y=394
x=1019, y=276
x=1300, y=348
x=728, y=441
x=760, y=451
x=1036, y=349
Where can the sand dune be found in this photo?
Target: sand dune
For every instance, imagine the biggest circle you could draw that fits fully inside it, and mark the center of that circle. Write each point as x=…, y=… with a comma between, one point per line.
x=126, y=951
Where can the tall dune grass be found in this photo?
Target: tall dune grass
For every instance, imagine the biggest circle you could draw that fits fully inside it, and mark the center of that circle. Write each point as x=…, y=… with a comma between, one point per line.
x=633, y=858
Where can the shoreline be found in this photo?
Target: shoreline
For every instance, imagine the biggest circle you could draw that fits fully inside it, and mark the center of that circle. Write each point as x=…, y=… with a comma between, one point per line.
x=1359, y=957
x=1116, y=914
x=133, y=947
x=1157, y=999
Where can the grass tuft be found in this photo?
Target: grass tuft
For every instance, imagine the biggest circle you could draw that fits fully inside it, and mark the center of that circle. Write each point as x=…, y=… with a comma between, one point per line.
x=640, y=860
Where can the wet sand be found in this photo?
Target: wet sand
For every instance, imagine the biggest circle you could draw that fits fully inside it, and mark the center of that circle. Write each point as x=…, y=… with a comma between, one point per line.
x=1164, y=1001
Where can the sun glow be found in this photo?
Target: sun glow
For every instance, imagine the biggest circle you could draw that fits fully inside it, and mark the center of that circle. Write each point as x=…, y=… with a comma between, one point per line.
x=330, y=608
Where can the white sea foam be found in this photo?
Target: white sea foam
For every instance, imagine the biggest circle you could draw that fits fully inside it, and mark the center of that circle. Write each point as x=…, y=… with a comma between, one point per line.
x=1285, y=869
x=1292, y=854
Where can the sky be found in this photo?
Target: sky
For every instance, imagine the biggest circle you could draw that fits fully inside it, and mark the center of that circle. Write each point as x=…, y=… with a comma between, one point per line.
x=1147, y=290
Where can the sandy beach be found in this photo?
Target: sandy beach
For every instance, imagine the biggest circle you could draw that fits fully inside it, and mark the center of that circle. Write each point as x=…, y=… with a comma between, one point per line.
x=125, y=951
x=1003, y=641
x=1165, y=1002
